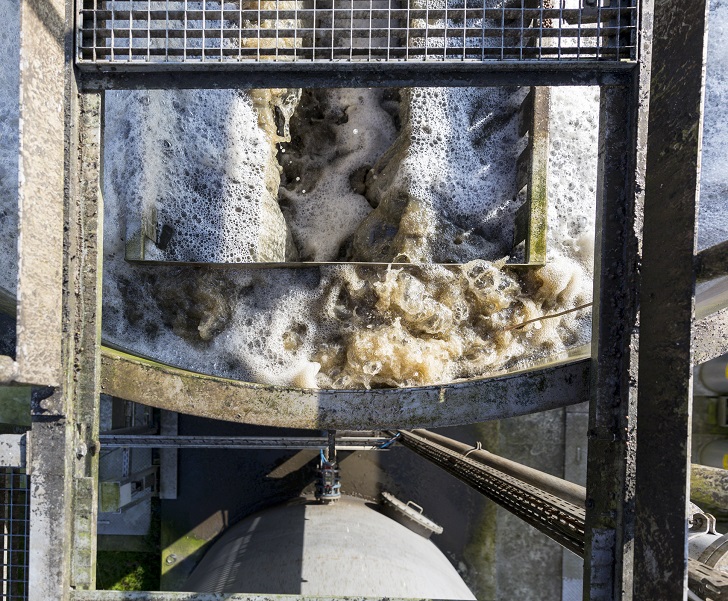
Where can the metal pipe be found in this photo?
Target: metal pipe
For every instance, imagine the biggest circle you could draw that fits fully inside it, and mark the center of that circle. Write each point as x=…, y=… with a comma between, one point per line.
x=240, y=442
x=560, y=520
x=568, y=491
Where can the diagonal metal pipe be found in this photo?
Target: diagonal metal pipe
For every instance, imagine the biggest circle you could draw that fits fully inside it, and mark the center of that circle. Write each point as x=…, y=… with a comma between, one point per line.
x=568, y=491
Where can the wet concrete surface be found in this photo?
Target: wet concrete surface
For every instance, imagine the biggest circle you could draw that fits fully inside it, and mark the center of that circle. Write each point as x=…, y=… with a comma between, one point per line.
x=498, y=555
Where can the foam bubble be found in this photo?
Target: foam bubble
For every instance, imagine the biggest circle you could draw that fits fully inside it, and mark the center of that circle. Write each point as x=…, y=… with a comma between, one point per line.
x=349, y=326
x=9, y=92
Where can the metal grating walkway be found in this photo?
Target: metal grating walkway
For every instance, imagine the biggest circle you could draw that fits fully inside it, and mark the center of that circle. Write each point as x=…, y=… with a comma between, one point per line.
x=157, y=32
x=14, y=501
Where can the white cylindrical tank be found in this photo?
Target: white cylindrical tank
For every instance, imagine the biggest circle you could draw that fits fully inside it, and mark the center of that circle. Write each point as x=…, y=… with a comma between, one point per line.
x=714, y=375
x=344, y=549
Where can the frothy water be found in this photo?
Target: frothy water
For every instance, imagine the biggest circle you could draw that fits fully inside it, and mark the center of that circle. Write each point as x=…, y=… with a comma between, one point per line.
x=347, y=175
x=444, y=183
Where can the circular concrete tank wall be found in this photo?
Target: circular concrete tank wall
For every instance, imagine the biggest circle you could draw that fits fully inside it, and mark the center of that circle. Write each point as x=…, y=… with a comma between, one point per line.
x=344, y=549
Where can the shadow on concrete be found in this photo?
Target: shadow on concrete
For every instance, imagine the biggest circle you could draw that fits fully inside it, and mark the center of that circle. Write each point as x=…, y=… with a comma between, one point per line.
x=217, y=488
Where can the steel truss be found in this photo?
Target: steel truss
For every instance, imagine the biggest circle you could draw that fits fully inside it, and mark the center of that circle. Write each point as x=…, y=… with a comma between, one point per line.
x=342, y=443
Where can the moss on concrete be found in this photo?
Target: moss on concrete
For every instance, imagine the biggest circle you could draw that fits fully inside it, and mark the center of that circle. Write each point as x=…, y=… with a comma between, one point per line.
x=180, y=553
x=127, y=571
x=15, y=405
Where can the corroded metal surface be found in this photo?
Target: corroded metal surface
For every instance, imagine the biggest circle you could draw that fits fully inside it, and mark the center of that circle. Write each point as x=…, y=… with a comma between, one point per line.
x=558, y=519
x=568, y=491
x=707, y=582
x=177, y=36
x=666, y=299
x=216, y=76
x=465, y=402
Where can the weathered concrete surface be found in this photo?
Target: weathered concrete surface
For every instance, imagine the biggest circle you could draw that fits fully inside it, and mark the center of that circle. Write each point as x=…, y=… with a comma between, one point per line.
x=710, y=328
x=465, y=402
x=667, y=292
x=710, y=337
x=709, y=486
x=40, y=196
x=50, y=529
x=83, y=314
x=12, y=450
x=610, y=469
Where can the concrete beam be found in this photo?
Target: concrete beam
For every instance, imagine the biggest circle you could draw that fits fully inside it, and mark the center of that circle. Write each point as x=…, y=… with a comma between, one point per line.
x=49, y=559
x=63, y=464
x=467, y=402
x=41, y=192
x=612, y=407
x=83, y=310
x=667, y=299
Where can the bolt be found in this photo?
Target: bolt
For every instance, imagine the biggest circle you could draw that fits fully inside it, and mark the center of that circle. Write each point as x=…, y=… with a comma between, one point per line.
x=81, y=450
x=171, y=558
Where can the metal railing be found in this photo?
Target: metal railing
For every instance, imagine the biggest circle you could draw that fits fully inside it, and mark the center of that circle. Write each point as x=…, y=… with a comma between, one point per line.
x=14, y=509
x=112, y=32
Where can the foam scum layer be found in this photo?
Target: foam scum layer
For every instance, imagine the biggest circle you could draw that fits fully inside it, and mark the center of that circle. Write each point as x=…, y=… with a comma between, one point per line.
x=445, y=182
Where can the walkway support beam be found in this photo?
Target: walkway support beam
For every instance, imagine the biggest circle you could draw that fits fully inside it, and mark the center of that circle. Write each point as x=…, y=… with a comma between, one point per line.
x=612, y=407
x=667, y=299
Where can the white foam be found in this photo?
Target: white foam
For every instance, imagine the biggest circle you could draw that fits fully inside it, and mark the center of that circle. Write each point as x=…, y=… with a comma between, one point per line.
x=323, y=211
x=365, y=326
x=713, y=214
x=280, y=326
x=196, y=158
x=9, y=92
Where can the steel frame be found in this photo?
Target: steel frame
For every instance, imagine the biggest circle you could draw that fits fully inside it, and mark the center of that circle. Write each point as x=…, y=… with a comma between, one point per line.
x=344, y=443
x=58, y=312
